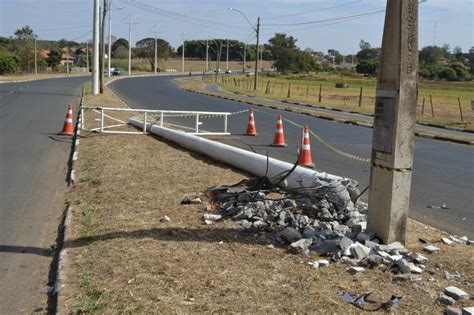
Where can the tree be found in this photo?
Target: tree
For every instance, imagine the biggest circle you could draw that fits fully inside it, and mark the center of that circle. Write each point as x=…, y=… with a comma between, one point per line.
x=279, y=43
x=9, y=62
x=120, y=48
x=368, y=67
x=146, y=49
x=471, y=60
x=25, y=48
x=430, y=55
x=368, y=54
x=447, y=73
x=363, y=45
x=54, y=57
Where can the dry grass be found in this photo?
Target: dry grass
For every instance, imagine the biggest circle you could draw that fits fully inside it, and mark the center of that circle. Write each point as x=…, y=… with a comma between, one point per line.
x=123, y=260
x=305, y=88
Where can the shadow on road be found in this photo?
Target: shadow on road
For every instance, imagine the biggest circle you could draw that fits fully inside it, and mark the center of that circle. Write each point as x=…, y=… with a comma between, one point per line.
x=48, y=252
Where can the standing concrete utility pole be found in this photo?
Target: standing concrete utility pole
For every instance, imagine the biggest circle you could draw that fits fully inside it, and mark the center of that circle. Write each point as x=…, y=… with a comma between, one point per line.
x=36, y=60
x=109, y=59
x=182, y=56
x=245, y=58
x=227, y=57
x=102, y=44
x=87, y=56
x=129, y=43
x=257, y=32
x=95, y=59
x=218, y=61
x=207, y=55
x=156, y=50
x=394, y=123
x=67, y=59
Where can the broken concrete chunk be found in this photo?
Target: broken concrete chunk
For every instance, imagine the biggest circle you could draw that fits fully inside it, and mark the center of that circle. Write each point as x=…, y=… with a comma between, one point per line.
x=322, y=263
x=359, y=251
x=468, y=310
x=451, y=276
x=419, y=258
x=407, y=277
x=345, y=245
x=447, y=241
x=354, y=270
x=191, y=201
x=328, y=246
x=165, y=219
x=456, y=293
x=291, y=235
x=259, y=224
x=432, y=249
x=392, y=248
x=245, y=224
x=444, y=299
x=301, y=246
x=212, y=217
x=451, y=310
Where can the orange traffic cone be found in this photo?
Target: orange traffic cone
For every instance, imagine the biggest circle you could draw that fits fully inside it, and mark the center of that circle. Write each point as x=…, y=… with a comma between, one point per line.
x=279, y=138
x=68, y=127
x=251, y=129
x=305, y=153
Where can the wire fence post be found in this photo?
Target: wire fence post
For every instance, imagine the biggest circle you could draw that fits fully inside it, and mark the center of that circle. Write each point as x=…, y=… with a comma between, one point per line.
x=320, y=90
x=289, y=90
x=432, y=110
x=460, y=109
x=307, y=91
x=162, y=116
x=360, y=96
x=423, y=107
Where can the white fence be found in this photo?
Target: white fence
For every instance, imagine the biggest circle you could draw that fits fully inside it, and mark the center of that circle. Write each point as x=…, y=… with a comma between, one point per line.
x=104, y=116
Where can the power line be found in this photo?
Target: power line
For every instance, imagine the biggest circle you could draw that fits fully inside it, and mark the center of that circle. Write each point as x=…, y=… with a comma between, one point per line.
x=185, y=18
x=338, y=18
x=311, y=11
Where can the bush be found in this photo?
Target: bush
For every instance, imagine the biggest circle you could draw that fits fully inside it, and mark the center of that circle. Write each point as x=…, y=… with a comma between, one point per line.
x=369, y=67
x=9, y=62
x=447, y=73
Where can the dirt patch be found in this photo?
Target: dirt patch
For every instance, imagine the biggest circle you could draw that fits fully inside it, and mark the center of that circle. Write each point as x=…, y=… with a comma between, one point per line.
x=123, y=259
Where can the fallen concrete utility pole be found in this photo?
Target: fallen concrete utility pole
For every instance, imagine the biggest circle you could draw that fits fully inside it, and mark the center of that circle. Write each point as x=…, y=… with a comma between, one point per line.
x=250, y=162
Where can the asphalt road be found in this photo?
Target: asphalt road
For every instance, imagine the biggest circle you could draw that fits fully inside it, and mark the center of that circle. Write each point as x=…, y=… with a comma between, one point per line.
x=443, y=172
x=33, y=164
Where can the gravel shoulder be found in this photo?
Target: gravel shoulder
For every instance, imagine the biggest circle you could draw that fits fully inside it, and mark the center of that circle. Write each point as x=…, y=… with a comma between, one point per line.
x=123, y=258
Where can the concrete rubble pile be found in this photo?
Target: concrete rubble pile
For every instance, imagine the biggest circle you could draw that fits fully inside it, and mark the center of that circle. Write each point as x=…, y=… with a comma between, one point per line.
x=324, y=220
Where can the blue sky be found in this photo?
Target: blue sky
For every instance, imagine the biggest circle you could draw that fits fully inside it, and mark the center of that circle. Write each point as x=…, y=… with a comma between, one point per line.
x=199, y=19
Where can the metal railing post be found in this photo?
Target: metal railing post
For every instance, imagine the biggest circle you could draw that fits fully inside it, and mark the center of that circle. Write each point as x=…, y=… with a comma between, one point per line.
x=101, y=120
x=162, y=116
x=197, y=123
x=144, y=122
x=225, y=123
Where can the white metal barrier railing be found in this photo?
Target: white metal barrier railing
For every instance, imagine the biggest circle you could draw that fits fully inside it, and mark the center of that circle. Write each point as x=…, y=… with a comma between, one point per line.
x=149, y=117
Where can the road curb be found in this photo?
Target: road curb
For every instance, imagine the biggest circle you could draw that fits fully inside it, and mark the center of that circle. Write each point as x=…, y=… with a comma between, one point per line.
x=349, y=122
x=64, y=228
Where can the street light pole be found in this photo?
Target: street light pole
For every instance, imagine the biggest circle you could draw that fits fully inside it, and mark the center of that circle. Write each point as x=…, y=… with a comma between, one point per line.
x=129, y=43
x=182, y=56
x=95, y=50
x=257, y=31
x=207, y=55
x=110, y=40
x=156, y=49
